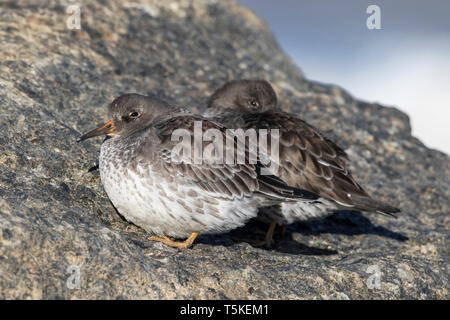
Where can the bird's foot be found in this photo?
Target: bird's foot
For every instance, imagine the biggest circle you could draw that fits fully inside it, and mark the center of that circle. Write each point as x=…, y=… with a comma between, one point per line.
x=268, y=241
x=176, y=244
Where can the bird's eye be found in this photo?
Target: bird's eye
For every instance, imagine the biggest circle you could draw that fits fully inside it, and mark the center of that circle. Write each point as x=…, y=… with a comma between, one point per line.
x=134, y=115
x=254, y=103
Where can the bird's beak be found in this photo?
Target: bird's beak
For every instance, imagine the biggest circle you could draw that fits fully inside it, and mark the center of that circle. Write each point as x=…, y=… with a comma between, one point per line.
x=107, y=128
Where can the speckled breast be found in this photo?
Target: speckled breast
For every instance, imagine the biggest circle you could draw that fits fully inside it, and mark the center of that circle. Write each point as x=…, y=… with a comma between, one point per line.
x=166, y=205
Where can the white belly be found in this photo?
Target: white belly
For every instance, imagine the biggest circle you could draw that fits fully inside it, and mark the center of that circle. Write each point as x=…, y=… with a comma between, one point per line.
x=289, y=212
x=175, y=209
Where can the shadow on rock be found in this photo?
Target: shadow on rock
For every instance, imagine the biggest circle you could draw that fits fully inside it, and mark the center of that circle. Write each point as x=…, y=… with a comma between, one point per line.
x=286, y=244
x=343, y=222
x=347, y=223
x=254, y=232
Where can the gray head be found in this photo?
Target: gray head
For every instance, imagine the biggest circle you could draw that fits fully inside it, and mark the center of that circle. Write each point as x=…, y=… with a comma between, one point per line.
x=130, y=113
x=244, y=96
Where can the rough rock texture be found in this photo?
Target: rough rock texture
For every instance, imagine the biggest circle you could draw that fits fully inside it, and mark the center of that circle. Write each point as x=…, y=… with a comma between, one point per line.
x=55, y=83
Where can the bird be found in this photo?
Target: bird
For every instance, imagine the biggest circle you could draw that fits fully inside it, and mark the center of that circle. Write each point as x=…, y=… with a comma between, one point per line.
x=306, y=159
x=163, y=188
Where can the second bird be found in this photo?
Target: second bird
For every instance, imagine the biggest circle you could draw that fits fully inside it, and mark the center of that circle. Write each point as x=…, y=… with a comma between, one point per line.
x=307, y=159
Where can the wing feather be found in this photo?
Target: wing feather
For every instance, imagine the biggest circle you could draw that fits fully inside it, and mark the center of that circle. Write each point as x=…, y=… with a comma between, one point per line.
x=224, y=180
x=309, y=160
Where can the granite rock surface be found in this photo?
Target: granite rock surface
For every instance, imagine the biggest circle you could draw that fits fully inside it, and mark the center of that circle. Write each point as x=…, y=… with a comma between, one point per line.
x=57, y=225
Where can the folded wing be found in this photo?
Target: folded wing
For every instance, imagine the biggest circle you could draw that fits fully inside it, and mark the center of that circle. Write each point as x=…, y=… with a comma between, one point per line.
x=213, y=174
x=308, y=160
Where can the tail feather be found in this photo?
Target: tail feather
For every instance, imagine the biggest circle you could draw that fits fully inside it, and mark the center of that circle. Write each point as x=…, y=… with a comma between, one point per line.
x=275, y=187
x=369, y=204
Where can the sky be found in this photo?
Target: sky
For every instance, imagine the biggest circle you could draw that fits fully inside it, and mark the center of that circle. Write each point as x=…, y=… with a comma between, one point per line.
x=405, y=64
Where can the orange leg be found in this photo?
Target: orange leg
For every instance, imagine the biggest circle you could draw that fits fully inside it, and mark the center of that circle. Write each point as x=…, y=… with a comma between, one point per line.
x=268, y=241
x=183, y=244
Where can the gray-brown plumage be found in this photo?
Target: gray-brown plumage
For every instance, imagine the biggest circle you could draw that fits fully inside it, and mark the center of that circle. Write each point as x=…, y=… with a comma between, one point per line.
x=165, y=190
x=307, y=159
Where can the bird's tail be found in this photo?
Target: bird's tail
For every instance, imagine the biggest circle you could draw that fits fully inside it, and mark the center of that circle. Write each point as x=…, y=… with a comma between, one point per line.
x=274, y=187
x=369, y=204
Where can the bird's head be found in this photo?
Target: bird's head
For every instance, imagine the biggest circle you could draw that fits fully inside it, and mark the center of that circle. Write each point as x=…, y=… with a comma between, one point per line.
x=130, y=113
x=244, y=96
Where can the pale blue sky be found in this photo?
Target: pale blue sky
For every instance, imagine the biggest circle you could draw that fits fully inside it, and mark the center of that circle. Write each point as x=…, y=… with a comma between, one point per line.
x=405, y=64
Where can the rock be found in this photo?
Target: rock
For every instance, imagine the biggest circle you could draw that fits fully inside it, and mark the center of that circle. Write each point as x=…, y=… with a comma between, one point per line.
x=57, y=225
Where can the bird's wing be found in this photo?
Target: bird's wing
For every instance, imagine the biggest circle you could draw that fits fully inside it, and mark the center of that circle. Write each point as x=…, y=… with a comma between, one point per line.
x=308, y=160
x=230, y=180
